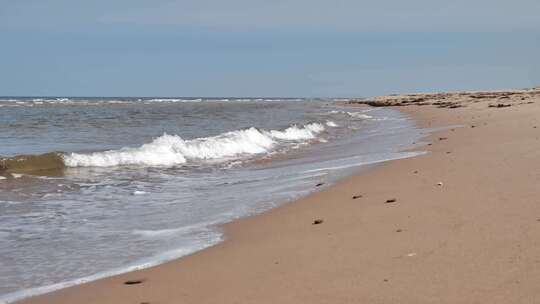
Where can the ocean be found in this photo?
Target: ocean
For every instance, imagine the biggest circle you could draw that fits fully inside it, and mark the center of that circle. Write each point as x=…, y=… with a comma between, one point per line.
x=92, y=187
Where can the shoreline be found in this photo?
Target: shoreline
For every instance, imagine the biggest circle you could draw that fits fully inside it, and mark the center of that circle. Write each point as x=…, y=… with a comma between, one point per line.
x=144, y=264
x=366, y=249
x=327, y=170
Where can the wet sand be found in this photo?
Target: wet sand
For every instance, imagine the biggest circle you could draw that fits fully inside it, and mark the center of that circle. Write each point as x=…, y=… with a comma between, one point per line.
x=458, y=225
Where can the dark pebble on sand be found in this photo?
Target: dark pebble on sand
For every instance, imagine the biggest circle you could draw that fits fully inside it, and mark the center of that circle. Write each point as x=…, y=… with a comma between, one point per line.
x=356, y=196
x=443, y=138
x=133, y=282
x=392, y=200
x=499, y=105
x=399, y=230
x=317, y=222
x=319, y=184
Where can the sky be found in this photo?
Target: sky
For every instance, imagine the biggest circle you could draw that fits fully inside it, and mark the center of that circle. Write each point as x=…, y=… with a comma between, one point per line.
x=295, y=48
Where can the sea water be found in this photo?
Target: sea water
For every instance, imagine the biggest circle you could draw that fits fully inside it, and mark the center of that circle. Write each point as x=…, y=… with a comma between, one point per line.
x=92, y=187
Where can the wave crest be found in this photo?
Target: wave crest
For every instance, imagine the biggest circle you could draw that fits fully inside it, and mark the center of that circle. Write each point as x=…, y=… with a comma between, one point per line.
x=170, y=150
x=358, y=115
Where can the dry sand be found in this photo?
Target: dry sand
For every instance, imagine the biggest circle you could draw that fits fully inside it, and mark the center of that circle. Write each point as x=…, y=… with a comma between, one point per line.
x=465, y=227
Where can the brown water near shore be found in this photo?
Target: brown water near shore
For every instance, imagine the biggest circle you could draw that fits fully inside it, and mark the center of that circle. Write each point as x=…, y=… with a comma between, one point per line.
x=464, y=228
x=49, y=164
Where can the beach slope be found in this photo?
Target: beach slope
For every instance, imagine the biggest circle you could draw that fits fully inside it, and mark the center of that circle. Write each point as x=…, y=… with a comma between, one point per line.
x=460, y=224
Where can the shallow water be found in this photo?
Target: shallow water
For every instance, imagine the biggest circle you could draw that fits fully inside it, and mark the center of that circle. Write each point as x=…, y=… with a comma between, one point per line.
x=146, y=180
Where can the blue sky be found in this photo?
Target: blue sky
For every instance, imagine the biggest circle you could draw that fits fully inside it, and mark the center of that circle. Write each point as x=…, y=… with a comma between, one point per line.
x=266, y=48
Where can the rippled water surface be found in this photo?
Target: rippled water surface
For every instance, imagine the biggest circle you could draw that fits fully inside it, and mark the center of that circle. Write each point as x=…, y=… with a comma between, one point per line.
x=145, y=180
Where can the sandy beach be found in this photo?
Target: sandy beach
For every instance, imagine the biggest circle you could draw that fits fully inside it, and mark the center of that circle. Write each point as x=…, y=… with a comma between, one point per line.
x=460, y=224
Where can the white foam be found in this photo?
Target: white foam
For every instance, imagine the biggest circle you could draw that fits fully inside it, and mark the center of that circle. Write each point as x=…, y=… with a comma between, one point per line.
x=369, y=162
x=157, y=233
x=358, y=115
x=297, y=133
x=174, y=100
x=163, y=233
x=331, y=124
x=171, y=150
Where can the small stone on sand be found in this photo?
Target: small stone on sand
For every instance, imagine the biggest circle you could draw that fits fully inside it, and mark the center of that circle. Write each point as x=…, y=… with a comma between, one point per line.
x=392, y=200
x=317, y=221
x=499, y=105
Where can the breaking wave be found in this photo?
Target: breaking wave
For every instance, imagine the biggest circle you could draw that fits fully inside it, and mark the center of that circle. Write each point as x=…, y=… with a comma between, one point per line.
x=358, y=115
x=168, y=150
x=331, y=124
